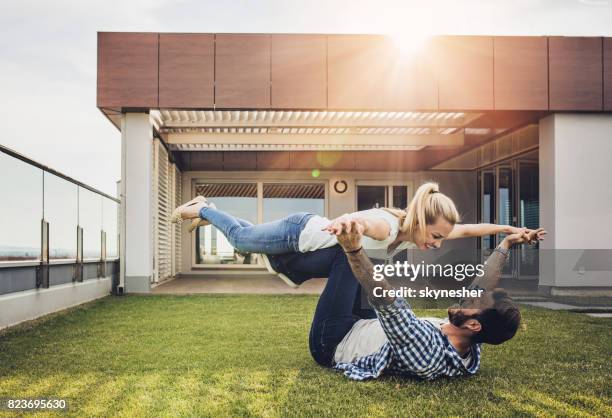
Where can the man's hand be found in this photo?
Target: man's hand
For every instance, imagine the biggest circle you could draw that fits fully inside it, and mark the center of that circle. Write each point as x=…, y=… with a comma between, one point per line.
x=343, y=222
x=531, y=235
x=349, y=232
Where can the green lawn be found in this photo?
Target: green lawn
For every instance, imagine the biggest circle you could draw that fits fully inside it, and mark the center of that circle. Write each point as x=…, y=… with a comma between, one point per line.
x=248, y=356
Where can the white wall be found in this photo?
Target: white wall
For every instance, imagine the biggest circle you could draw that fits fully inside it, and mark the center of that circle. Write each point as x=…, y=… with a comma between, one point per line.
x=576, y=199
x=136, y=202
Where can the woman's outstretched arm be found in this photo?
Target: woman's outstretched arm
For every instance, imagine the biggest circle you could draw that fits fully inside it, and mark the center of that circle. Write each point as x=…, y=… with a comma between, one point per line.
x=479, y=230
x=378, y=229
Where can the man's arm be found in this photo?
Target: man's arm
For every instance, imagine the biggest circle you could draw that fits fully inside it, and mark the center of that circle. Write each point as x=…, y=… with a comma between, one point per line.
x=494, y=264
x=492, y=270
x=363, y=269
x=349, y=237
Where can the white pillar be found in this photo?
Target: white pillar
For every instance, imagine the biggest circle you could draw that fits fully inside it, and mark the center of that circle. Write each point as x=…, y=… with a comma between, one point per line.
x=136, y=202
x=576, y=203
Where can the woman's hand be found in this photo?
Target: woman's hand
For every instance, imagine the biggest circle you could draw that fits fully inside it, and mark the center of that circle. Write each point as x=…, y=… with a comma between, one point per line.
x=522, y=236
x=536, y=235
x=531, y=235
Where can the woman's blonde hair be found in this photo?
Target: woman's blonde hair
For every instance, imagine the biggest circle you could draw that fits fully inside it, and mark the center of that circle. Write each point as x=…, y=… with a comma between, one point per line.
x=424, y=209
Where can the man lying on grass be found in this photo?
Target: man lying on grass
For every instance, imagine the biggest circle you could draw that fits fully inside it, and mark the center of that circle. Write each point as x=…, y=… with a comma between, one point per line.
x=366, y=344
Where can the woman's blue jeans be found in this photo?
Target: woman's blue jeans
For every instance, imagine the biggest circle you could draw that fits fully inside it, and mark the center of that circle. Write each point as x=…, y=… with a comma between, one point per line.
x=340, y=304
x=277, y=237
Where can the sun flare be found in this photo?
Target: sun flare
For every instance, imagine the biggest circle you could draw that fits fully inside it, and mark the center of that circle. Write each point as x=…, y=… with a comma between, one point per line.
x=409, y=41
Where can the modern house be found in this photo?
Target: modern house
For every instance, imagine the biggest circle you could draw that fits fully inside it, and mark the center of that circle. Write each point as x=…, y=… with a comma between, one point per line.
x=518, y=130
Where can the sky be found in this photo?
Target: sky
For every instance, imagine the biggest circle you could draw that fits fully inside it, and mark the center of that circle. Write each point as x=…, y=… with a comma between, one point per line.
x=48, y=54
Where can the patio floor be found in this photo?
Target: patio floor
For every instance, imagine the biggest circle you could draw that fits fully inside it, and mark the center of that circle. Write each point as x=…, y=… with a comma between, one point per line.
x=238, y=285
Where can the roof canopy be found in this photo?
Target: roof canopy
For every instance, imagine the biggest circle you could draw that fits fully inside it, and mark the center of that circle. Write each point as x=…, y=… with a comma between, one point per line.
x=283, y=93
x=353, y=72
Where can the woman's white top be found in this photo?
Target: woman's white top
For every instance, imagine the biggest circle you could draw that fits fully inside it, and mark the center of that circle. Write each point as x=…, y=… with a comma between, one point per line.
x=313, y=238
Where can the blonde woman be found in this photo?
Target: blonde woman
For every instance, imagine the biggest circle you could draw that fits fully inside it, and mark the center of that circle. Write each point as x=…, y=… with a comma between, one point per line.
x=431, y=218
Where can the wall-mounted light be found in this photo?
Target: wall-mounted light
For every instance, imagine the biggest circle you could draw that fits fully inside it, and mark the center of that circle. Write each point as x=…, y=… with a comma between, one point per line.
x=340, y=186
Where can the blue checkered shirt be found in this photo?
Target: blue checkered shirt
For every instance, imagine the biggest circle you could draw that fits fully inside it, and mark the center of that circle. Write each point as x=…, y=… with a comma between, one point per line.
x=415, y=348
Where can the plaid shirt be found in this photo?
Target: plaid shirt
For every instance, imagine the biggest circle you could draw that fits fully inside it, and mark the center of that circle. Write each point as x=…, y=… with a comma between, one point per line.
x=415, y=348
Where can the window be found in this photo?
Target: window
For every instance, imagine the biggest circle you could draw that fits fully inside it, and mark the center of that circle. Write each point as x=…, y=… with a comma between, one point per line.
x=488, y=207
x=369, y=197
x=282, y=199
x=237, y=199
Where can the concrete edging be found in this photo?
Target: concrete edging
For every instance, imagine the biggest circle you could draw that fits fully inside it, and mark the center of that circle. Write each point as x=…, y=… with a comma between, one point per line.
x=31, y=304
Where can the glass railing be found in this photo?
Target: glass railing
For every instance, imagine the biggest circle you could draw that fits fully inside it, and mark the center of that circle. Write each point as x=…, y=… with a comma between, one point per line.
x=48, y=217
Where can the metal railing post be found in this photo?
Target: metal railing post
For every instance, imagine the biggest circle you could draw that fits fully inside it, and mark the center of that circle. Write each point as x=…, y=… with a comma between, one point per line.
x=42, y=272
x=102, y=264
x=78, y=266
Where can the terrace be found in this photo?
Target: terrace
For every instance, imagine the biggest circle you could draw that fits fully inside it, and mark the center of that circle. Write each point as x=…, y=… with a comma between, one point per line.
x=172, y=323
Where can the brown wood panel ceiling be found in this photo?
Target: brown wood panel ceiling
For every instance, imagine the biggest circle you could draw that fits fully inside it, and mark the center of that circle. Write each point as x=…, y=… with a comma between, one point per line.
x=607, y=73
x=357, y=71
x=242, y=71
x=520, y=72
x=127, y=70
x=465, y=72
x=411, y=82
x=186, y=70
x=299, y=71
x=352, y=72
x=575, y=73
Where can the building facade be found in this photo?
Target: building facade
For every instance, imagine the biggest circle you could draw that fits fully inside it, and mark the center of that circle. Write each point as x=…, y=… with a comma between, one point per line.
x=517, y=130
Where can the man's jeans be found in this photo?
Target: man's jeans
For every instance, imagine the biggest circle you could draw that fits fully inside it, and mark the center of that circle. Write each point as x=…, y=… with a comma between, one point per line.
x=339, y=306
x=276, y=237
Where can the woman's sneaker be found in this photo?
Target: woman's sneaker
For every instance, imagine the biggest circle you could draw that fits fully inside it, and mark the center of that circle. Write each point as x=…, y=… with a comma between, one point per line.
x=198, y=222
x=271, y=270
x=189, y=210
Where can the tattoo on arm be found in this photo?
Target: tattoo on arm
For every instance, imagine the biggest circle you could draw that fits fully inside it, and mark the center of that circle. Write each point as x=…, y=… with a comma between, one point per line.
x=492, y=273
x=363, y=269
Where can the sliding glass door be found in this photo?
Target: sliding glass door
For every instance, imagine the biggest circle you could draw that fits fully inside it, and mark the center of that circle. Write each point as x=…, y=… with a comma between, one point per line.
x=529, y=215
x=509, y=195
x=487, y=207
x=369, y=197
x=252, y=202
x=378, y=196
x=237, y=199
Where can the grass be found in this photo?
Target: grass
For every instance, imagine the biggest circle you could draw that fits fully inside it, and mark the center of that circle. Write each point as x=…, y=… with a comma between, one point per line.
x=206, y=355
